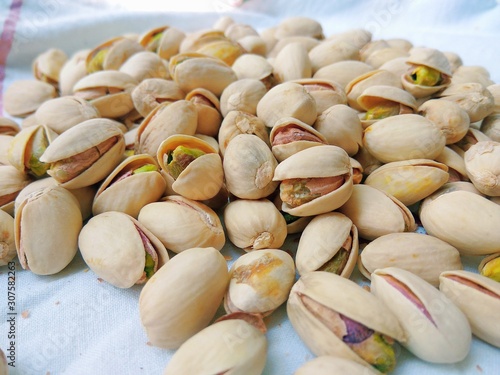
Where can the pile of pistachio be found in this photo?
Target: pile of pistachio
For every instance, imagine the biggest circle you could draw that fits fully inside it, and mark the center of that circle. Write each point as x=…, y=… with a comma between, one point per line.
x=147, y=144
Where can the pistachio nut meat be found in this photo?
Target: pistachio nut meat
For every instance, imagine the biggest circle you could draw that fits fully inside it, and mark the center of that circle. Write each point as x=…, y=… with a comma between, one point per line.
x=164, y=40
x=134, y=183
x=182, y=297
x=328, y=243
x=479, y=298
x=315, y=180
x=335, y=316
x=435, y=335
x=41, y=212
x=490, y=266
x=86, y=153
x=120, y=250
x=259, y=282
x=229, y=347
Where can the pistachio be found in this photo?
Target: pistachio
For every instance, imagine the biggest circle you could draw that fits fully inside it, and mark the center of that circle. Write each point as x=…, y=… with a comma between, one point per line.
x=7, y=242
x=327, y=365
x=490, y=267
x=423, y=75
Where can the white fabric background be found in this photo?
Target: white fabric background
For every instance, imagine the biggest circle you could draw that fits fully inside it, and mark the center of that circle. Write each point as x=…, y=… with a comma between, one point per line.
x=77, y=325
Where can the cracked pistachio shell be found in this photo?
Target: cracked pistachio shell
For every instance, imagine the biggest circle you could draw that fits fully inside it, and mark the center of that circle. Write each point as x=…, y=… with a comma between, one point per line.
x=291, y=63
x=380, y=57
x=203, y=177
x=259, y=282
x=72, y=71
x=409, y=181
x=117, y=51
x=327, y=365
x=226, y=50
x=181, y=223
x=194, y=70
x=167, y=45
x=229, y=347
x=11, y=183
x=325, y=239
x=479, y=298
x=491, y=126
x=472, y=97
x=62, y=113
x=115, y=245
x=472, y=137
x=208, y=108
x=314, y=163
x=495, y=92
x=289, y=136
x=7, y=238
x=421, y=254
x=287, y=99
x=23, y=97
x=341, y=127
x=169, y=118
x=8, y=126
x=489, y=266
x=71, y=153
x=325, y=92
x=255, y=67
x=26, y=148
x=336, y=294
x=359, y=84
x=249, y=167
x=47, y=65
x=52, y=207
x=182, y=297
x=403, y=137
x=242, y=95
x=254, y=224
x=253, y=44
x=343, y=72
x=125, y=191
x=240, y=122
x=482, y=163
x=332, y=51
x=376, y=213
x=435, y=334
x=144, y=65
x=151, y=92
x=5, y=141
x=465, y=220
x=450, y=118
x=455, y=164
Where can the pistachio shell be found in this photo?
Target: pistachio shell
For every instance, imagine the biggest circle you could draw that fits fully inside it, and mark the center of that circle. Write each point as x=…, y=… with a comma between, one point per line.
x=47, y=65
x=23, y=97
x=482, y=163
x=181, y=223
x=252, y=66
x=12, y=181
x=468, y=74
x=421, y=254
x=259, y=282
x=325, y=239
x=279, y=44
x=474, y=98
x=491, y=126
x=435, y=335
x=455, y=164
x=409, y=181
x=53, y=207
x=326, y=365
x=116, y=51
x=376, y=95
x=495, y=92
x=151, y=92
x=376, y=213
x=299, y=26
x=143, y=65
x=254, y=224
x=326, y=93
x=208, y=108
x=167, y=45
x=208, y=351
x=356, y=36
x=72, y=71
x=489, y=266
x=479, y=298
x=5, y=141
x=169, y=302
x=292, y=62
x=332, y=51
x=8, y=126
x=343, y=72
x=380, y=57
x=242, y=95
x=115, y=246
x=7, y=238
x=465, y=220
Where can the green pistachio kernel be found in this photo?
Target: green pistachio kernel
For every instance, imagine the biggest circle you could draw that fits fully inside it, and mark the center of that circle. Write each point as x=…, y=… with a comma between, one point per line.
x=382, y=111
x=180, y=158
x=337, y=263
x=146, y=168
x=289, y=218
x=149, y=268
x=425, y=76
x=492, y=269
x=96, y=63
x=378, y=352
x=38, y=144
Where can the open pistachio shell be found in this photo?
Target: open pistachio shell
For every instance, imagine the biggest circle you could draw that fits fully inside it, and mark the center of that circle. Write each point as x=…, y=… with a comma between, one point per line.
x=381, y=56
x=435, y=335
x=299, y=25
x=207, y=351
x=120, y=250
x=315, y=180
x=134, y=183
x=328, y=243
x=326, y=309
x=151, y=92
x=5, y=141
x=472, y=97
x=376, y=213
x=327, y=364
x=343, y=72
x=169, y=303
x=7, y=238
x=255, y=67
x=144, y=65
x=85, y=154
x=421, y=254
x=208, y=108
x=8, y=126
x=356, y=36
x=53, y=207
x=465, y=220
x=479, y=298
x=409, y=181
x=164, y=40
x=194, y=164
x=254, y=224
x=181, y=223
x=47, y=65
x=72, y=71
x=111, y=54
x=482, y=163
x=306, y=41
x=289, y=136
x=490, y=266
x=259, y=282
x=23, y=97
x=249, y=167
x=12, y=181
x=332, y=51
x=325, y=92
